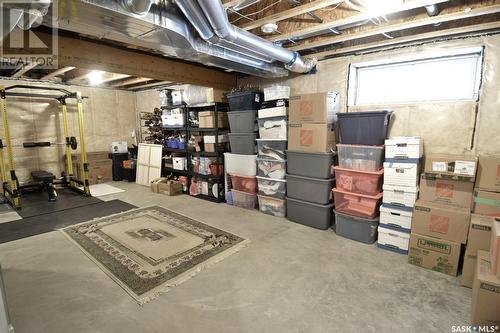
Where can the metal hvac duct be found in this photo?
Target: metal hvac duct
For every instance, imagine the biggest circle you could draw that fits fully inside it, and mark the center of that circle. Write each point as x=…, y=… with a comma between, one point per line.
x=138, y=7
x=210, y=20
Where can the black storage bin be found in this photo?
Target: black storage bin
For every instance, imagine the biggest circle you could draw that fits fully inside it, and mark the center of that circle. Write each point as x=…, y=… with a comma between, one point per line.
x=245, y=100
x=364, y=128
x=118, y=159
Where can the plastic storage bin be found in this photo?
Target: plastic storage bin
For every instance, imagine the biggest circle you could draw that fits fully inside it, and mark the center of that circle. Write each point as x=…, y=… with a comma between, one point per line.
x=314, y=190
x=316, y=165
x=310, y=214
x=361, y=205
x=243, y=199
x=364, y=128
x=363, y=182
x=245, y=165
x=359, y=157
x=243, y=143
x=244, y=183
x=356, y=228
x=272, y=206
x=273, y=128
x=274, y=149
x=245, y=100
x=396, y=219
x=271, y=168
x=275, y=188
x=393, y=240
x=242, y=121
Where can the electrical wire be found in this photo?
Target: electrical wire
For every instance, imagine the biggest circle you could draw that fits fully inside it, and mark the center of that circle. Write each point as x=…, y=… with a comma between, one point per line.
x=247, y=16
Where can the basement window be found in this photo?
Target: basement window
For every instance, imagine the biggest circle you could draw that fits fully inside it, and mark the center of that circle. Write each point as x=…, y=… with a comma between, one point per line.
x=450, y=76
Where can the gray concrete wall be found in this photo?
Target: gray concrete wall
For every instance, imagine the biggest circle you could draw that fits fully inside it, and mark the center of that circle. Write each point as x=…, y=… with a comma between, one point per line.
x=448, y=127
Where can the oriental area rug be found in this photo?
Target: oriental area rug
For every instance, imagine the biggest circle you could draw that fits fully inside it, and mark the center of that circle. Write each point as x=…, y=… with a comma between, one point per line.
x=149, y=250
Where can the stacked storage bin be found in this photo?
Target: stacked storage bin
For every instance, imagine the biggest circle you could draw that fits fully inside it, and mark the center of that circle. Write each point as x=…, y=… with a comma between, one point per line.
x=311, y=141
x=271, y=161
x=358, y=191
x=402, y=171
x=241, y=162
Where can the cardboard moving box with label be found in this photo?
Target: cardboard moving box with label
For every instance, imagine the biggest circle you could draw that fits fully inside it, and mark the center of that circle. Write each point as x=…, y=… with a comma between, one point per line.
x=434, y=254
x=485, y=293
x=468, y=269
x=314, y=108
x=453, y=165
x=312, y=138
x=486, y=203
x=446, y=191
x=488, y=173
x=444, y=222
x=495, y=247
x=100, y=167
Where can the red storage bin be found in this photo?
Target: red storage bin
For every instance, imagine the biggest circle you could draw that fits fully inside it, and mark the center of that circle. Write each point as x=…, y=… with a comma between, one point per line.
x=246, y=184
x=361, y=205
x=356, y=181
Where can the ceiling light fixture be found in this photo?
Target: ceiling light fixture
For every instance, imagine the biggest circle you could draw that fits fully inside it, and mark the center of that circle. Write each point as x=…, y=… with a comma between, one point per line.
x=95, y=77
x=269, y=28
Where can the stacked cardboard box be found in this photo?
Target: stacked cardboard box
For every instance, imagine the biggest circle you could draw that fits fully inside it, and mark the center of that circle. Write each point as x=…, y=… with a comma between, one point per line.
x=441, y=217
x=401, y=176
x=100, y=167
x=311, y=140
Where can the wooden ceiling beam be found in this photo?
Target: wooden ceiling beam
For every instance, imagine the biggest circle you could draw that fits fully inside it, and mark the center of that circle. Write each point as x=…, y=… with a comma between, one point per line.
x=408, y=39
x=24, y=69
x=286, y=14
x=57, y=72
x=353, y=19
x=90, y=55
x=401, y=26
x=115, y=77
x=151, y=85
x=130, y=82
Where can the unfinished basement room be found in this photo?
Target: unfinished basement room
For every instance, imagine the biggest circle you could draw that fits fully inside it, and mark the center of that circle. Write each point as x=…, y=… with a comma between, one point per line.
x=249, y=166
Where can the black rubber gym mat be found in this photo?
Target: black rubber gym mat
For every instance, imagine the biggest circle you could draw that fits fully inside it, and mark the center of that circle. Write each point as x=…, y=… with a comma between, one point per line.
x=36, y=225
x=36, y=203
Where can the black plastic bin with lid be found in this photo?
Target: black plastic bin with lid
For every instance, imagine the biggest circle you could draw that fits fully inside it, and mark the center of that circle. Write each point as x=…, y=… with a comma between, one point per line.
x=245, y=100
x=364, y=128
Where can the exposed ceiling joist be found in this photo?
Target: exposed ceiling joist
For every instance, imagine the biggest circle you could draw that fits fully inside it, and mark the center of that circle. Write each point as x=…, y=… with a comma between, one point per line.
x=231, y=3
x=130, y=82
x=408, y=39
x=81, y=77
x=25, y=69
x=151, y=85
x=353, y=19
x=57, y=72
x=296, y=11
x=115, y=77
x=401, y=26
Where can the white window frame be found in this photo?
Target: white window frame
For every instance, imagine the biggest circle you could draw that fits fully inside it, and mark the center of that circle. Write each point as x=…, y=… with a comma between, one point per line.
x=353, y=81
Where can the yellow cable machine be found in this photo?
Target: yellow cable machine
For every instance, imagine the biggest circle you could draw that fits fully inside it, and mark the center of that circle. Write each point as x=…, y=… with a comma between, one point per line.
x=11, y=190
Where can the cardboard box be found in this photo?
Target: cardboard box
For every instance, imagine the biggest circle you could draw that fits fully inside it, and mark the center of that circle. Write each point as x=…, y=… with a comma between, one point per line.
x=488, y=173
x=468, y=269
x=495, y=247
x=486, y=203
x=314, y=108
x=446, y=191
x=170, y=187
x=154, y=184
x=453, y=165
x=200, y=95
x=443, y=222
x=485, y=293
x=479, y=233
x=207, y=119
x=432, y=253
x=312, y=138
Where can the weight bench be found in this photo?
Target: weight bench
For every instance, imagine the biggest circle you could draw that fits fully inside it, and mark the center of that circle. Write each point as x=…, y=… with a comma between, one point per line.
x=47, y=179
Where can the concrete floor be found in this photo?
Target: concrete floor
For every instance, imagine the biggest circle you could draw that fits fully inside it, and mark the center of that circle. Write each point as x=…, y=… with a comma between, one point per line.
x=290, y=278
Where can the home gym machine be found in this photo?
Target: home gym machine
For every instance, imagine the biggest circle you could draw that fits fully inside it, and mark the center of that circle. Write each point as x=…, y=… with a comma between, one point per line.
x=43, y=180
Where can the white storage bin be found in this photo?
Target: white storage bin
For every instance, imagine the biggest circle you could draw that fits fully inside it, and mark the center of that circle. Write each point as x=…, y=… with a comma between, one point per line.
x=276, y=92
x=179, y=163
x=278, y=111
x=401, y=173
x=404, y=147
x=403, y=196
x=245, y=165
x=393, y=240
x=396, y=218
x=273, y=128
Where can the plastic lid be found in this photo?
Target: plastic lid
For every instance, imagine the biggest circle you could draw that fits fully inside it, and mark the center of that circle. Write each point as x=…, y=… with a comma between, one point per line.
x=374, y=197
x=360, y=146
x=380, y=172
